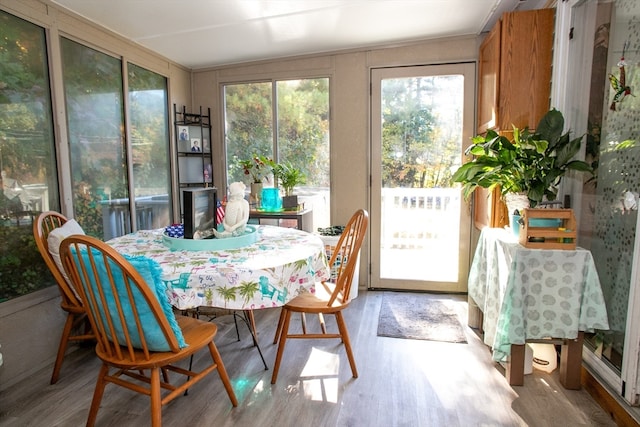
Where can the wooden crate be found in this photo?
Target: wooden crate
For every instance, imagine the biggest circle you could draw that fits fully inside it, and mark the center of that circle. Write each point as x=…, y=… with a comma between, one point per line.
x=560, y=237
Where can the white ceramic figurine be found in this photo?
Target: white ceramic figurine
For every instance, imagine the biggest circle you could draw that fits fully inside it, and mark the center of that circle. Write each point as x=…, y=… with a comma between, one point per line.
x=236, y=213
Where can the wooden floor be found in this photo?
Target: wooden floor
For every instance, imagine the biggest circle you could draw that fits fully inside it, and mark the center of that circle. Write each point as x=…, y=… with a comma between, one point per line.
x=402, y=382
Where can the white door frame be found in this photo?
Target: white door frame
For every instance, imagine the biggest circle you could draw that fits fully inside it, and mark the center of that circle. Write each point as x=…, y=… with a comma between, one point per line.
x=468, y=70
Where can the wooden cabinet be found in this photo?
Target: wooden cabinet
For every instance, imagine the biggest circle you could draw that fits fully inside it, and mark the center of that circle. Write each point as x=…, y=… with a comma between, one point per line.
x=514, y=85
x=488, y=85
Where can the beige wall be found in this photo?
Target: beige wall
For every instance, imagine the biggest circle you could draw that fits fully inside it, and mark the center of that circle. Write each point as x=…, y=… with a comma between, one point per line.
x=349, y=74
x=30, y=326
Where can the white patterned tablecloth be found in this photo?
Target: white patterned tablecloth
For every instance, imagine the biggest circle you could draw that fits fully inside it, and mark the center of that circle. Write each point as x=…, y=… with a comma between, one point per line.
x=281, y=264
x=533, y=293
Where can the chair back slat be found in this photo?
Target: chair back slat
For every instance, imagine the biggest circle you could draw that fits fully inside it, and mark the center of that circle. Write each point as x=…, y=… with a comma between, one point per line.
x=345, y=255
x=115, y=295
x=87, y=271
x=44, y=224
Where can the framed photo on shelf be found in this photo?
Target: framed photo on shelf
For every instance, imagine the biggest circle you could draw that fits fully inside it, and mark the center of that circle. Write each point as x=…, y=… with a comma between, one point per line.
x=183, y=139
x=206, y=148
x=183, y=133
x=195, y=145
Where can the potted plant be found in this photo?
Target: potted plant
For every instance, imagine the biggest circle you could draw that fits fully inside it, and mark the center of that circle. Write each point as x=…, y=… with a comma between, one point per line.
x=257, y=167
x=532, y=163
x=288, y=176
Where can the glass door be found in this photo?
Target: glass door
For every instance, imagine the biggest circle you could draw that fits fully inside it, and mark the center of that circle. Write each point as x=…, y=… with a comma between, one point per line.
x=603, y=60
x=422, y=120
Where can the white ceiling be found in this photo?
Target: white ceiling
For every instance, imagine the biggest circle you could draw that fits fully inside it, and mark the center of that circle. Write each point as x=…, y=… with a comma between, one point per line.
x=205, y=33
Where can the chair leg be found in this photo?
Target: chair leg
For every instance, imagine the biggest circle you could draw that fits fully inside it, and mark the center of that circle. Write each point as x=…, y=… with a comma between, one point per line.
x=303, y=319
x=156, y=403
x=323, y=326
x=97, y=395
x=62, y=348
x=342, y=327
x=283, y=341
x=252, y=321
x=276, y=337
x=215, y=355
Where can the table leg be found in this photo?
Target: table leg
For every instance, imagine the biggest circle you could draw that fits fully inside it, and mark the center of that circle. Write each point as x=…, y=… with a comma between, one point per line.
x=475, y=316
x=571, y=362
x=515, y=365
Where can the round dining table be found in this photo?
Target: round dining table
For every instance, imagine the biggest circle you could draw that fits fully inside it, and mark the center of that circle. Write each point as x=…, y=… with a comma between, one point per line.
x=280, y=264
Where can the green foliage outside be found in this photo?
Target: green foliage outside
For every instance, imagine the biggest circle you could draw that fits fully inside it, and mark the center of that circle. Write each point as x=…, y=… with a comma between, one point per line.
x=95, y=110
x=93, y=95
x=418, y=150
x=27, y=156
x=303, y=127
x=22, y=269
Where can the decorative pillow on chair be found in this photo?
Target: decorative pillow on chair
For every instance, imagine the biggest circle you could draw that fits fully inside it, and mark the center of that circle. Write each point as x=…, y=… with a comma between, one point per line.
x=56, y=236
x=151, y=272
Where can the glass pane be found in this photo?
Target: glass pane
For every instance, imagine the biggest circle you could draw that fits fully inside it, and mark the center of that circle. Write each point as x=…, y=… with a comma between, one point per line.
x=150, y=147
x=93, y=99
x=303, y=140
x=248, y=126
x=610, y=202
x=420, y=207
x=29, y=183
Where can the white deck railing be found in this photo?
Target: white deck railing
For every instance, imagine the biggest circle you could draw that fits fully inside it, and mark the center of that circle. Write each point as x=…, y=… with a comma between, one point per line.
x=414, y=217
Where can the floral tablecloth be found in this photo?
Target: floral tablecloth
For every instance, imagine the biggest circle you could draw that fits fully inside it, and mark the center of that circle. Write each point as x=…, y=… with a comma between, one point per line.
x=282, y=263
x=533, y=293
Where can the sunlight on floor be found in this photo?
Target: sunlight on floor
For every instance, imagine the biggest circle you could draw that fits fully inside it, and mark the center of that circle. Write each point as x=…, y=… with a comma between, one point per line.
x=319, y=378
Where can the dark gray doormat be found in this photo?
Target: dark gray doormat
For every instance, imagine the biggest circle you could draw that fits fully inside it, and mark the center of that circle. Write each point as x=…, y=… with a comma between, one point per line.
x=420, y=317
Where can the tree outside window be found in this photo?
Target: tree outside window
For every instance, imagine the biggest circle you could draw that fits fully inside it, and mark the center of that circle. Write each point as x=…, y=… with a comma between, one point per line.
x=29, y=182
x=301, y=134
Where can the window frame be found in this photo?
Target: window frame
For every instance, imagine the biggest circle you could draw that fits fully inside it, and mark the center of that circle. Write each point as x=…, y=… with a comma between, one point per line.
x=319, y=220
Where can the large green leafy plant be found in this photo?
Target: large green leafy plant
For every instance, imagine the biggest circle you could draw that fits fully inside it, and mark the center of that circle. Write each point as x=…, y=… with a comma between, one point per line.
x=531, y=163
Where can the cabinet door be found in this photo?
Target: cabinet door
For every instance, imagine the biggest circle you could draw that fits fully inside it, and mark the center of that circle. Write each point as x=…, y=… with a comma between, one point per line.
x=488, y=85
x=514, y=88
x=488, y=209
x=525, y=67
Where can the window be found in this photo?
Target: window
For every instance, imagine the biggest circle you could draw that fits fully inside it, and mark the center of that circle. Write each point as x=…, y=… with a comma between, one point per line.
x=149, y=146
x=27, y=156
x=287, y=121
x=95, y=122
x=100, y=174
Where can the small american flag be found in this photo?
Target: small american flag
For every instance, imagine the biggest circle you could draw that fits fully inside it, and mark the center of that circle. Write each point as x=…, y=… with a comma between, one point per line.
x=220, y=213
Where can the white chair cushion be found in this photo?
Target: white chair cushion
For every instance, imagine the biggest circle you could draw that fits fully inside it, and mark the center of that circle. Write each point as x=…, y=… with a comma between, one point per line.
x=56, y=236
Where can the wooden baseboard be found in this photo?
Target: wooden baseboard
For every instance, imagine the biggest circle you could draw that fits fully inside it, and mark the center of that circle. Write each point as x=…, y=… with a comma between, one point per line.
x=609, y=403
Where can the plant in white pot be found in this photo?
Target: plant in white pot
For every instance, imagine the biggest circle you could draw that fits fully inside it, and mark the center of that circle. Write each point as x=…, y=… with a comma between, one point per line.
x=532, y=163
x=288, y=176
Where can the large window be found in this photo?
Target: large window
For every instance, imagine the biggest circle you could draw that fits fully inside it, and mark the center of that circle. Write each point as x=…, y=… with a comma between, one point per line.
x=116, y=148
x=100, y=174
x=287, y=121
x=95, y=122
x=27, y=157
x=149, y=146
